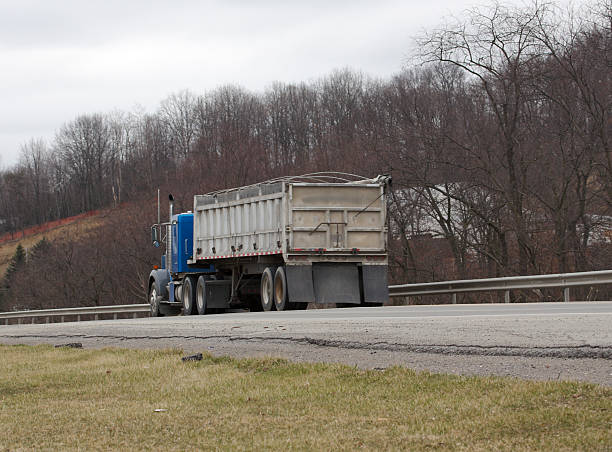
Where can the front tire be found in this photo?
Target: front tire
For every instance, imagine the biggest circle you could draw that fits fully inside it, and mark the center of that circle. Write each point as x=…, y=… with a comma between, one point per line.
x=189, y=296
x=267, y=290
x=154, y=300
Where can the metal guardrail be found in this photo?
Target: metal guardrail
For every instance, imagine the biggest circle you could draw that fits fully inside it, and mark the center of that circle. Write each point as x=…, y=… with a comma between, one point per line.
x=561, y=280
x=89, y=311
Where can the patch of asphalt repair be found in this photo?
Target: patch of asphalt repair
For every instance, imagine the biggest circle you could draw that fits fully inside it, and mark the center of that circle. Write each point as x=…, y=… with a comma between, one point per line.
x=579, y=351
x=586, y=364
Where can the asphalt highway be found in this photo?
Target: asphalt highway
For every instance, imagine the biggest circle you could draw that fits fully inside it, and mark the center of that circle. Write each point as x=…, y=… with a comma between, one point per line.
x=544, y=341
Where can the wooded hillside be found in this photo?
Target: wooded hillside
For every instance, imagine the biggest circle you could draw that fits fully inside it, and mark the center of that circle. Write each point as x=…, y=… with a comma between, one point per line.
x=497, y=136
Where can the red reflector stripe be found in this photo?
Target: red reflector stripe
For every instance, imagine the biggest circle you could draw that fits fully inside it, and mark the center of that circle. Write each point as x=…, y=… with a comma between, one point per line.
x=263, y=253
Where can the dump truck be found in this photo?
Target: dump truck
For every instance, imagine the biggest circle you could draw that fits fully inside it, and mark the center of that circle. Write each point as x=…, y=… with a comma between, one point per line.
x=275, y=245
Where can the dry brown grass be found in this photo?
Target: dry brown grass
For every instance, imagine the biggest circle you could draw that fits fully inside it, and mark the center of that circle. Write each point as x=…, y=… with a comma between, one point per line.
x=65, y=399
x=78, y=229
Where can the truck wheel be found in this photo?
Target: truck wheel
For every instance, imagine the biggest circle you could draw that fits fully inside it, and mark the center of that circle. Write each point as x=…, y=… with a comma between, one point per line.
x=188, y=296
x=267, y=290
x=201, y=296
x=281, y=299
x=154, y=301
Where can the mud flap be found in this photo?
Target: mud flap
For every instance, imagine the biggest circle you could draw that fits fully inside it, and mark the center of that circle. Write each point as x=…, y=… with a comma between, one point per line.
x=375, y=284
x=336, y=283
x=299, y=283
x=218, y=293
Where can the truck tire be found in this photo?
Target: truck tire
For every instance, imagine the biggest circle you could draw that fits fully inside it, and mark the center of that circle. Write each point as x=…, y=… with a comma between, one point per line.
x=154, y=300
x=281, y=298
x=267, y=290
x=201, y=296
x=189, y=295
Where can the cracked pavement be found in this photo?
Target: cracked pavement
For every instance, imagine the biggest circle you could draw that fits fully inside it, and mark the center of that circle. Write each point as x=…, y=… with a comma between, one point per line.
x=543, y=341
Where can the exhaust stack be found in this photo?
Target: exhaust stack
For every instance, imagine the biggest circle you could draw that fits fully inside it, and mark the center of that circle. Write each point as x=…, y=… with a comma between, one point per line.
x=169, y=235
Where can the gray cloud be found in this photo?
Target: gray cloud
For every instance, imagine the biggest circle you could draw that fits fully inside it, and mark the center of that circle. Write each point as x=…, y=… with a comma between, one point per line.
x=62, y=58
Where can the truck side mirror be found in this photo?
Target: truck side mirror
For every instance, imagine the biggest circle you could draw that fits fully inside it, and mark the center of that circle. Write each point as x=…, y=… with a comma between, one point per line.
x=154, y=237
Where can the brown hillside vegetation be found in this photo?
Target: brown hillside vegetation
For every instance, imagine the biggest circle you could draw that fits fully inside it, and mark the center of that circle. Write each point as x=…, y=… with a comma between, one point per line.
x=497, y=137
x=44, y=227
x=98, y=260
x=76, y=229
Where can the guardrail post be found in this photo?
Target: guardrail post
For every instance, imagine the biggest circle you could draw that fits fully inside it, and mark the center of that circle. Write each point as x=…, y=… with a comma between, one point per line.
x=19, y=321
x=566, y=295
x=47, y=319
x=507, y=296
x=96, y=317
x=135, y=316
x=115, y=316
x=33, y=320
x=78, y=317
x=62, y=319
x=454, y=299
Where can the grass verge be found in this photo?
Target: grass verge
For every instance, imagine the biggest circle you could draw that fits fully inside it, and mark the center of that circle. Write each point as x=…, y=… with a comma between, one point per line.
x=67, y=399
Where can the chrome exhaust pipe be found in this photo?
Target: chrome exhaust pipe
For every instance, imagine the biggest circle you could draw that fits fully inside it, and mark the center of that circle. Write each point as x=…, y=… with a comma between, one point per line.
x=169, y=235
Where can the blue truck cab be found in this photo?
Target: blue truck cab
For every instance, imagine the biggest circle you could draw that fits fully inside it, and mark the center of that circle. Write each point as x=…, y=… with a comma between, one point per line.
x=167, y=280
x=182, y=242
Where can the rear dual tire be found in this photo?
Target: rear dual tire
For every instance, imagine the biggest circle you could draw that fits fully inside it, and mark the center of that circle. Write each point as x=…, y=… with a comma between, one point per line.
x=201, y=296
x=189, y=295
x=274, y=291
x=281, y=298
x=267, y=290
x=194, y=296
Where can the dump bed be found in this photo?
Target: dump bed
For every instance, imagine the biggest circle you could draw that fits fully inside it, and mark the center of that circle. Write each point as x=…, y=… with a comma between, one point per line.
x=291, y=217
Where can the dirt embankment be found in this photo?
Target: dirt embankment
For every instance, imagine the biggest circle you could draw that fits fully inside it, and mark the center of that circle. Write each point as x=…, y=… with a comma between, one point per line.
x=74, y=226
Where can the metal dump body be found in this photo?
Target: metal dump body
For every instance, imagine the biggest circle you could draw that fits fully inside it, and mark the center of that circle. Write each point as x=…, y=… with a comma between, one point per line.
x=287, y=217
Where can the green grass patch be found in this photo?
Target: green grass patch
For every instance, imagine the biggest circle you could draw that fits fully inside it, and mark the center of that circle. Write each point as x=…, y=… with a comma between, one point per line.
x=67, y=399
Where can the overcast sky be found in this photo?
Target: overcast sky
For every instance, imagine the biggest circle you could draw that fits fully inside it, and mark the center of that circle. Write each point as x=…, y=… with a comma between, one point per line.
x=62, y=58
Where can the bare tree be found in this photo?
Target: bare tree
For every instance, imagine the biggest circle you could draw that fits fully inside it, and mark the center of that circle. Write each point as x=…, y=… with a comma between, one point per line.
x=34, y=160
x=178, y=113
x=498, y=46
x=85, y=145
